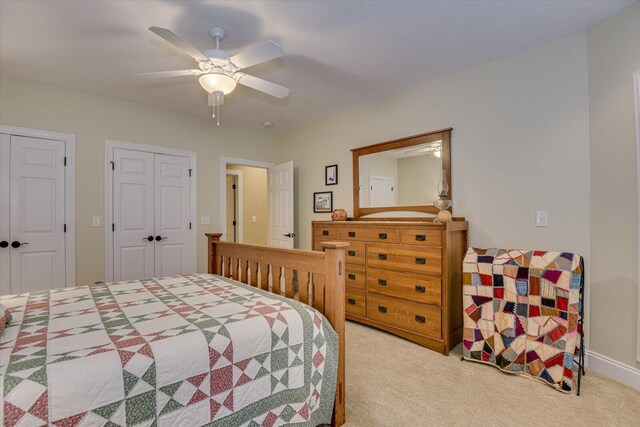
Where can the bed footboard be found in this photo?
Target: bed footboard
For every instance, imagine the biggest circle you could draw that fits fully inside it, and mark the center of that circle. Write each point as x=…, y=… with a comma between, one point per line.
x=319, y=276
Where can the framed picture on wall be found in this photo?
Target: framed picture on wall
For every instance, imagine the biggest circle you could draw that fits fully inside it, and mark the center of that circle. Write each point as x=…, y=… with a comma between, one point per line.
x=323, y=202
x=331, y=175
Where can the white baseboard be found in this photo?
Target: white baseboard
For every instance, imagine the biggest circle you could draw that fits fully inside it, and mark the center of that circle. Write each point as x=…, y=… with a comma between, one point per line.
x=612, y=368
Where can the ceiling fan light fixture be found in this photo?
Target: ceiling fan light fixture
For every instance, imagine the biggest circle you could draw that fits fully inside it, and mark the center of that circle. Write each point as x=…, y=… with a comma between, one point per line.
x=213, y=82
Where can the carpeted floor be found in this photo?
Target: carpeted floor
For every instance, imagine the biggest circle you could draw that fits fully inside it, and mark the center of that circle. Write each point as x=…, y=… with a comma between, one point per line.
x=393, y=382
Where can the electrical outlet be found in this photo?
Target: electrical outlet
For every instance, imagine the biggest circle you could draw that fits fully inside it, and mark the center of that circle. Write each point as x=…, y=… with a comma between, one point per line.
x=95, y=221
x=541, y=218
x=205, y=220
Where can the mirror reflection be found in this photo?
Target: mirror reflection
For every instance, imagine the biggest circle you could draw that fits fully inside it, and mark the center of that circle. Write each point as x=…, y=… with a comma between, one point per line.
x=402, y=177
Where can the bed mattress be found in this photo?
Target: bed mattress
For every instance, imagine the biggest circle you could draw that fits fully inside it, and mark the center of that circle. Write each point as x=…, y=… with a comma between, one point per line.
x=188, y=350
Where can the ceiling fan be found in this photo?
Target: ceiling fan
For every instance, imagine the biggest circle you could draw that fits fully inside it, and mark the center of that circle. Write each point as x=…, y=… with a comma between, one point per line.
x=219, y=72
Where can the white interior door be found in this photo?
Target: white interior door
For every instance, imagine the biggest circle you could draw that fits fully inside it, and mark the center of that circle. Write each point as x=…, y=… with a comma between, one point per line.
x=381, y=191
x=37, y=214
x=173, y=248
x=281, y=205
x=5, y=248
x=133, y=215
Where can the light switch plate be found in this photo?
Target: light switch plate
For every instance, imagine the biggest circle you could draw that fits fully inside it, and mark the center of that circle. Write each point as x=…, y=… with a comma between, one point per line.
x=95, y=221
x=205, y=220
x=253, y=218
x=541, y=218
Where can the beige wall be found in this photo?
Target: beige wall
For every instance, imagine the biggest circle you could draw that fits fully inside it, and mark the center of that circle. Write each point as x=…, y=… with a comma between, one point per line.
x=614, y=55
x=254, y=199
x=93, y=119
x=520, y=143
x=418, y=178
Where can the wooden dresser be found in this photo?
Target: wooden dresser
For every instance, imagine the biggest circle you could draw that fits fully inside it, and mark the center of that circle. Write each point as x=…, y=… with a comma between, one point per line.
x=403, y=276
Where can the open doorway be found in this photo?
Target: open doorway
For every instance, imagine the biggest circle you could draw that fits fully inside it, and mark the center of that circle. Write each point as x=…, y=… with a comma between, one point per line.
x=246, y=204
x=263, y=206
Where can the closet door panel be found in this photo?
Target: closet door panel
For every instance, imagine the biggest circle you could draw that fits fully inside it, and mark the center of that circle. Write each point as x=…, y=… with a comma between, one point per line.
x=37, y=212
x=133, y=215
x=172, y=215
x=5, y=277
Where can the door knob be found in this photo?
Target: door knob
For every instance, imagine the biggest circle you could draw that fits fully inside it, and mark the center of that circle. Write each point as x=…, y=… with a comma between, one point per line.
x=4, y=244
x=159, y=238
x=15, y=244
x=290, y=235
x=150, y=238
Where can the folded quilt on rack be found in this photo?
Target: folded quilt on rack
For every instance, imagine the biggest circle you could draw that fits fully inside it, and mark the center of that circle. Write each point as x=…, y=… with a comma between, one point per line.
x=521, y=312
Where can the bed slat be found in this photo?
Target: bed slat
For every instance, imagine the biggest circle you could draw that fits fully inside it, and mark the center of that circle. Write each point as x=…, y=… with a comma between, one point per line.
x=289, y=289
x=264, y=276
x=318, y=292
x=303, y=286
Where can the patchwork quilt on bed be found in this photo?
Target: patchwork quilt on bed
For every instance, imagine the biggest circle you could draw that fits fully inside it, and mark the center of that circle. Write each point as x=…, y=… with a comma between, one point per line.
x=188, y=350
x=521, y=311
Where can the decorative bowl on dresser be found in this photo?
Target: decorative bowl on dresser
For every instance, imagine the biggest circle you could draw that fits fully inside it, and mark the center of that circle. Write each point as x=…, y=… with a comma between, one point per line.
x=403, y=276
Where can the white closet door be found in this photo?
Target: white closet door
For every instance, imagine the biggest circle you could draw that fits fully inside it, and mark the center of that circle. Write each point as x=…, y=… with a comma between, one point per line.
x=172, y=207
x=5, y=284
x=37, y=198
x=281, y=205
x=133, y=215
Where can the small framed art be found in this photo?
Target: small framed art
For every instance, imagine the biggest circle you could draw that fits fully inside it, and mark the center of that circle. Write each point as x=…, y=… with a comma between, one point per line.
x=331, y=175
x=323, y=202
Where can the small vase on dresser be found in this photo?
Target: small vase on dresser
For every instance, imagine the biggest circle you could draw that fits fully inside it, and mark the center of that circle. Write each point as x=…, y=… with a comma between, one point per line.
x=404, y=277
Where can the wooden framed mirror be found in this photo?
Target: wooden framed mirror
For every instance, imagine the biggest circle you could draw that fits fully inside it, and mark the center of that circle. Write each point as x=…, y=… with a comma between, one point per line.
x=402, y=174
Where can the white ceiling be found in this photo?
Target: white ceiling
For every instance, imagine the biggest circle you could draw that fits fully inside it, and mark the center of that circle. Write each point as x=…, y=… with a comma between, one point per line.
x=339, y=54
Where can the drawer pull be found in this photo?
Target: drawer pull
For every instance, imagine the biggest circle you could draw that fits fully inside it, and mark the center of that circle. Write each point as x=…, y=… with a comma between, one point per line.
x=382, y=236
x=421, y=260
x=351, y=234
x=325, y=232
x=352, y=276
x=351, y=301
x=420, y=319
x=420, y=289
x=382, y=256
x=382, y=282
x=382, y=309
x=420, y=237
x=351, y=253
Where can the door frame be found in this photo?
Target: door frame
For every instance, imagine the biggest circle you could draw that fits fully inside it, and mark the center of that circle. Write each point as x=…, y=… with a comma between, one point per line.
x=239, y=204
x=109, y=145
x=69, y=191
x=224, y=162
x=636, y=91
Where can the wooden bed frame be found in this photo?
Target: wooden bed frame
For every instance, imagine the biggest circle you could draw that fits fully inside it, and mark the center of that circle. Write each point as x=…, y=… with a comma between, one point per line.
x=320, y=276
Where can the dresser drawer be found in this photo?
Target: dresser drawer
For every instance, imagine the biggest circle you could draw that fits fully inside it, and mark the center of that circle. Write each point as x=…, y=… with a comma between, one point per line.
x=355, y=302
x=355, y=276
x=414, y=287
x=412, y=316
x=327, y=233
x=369, y=235
x=405, y=258
x=355, y=253
x=421, y=237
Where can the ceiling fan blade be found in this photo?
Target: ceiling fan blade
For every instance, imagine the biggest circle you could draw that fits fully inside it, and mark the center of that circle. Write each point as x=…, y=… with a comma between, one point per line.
x=264, y=86
x=262, y=53
x=165, y=74
x=169, y=36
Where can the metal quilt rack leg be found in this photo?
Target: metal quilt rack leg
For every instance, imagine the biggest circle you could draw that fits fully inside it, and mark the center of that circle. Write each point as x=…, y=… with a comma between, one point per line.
x=581, y=352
